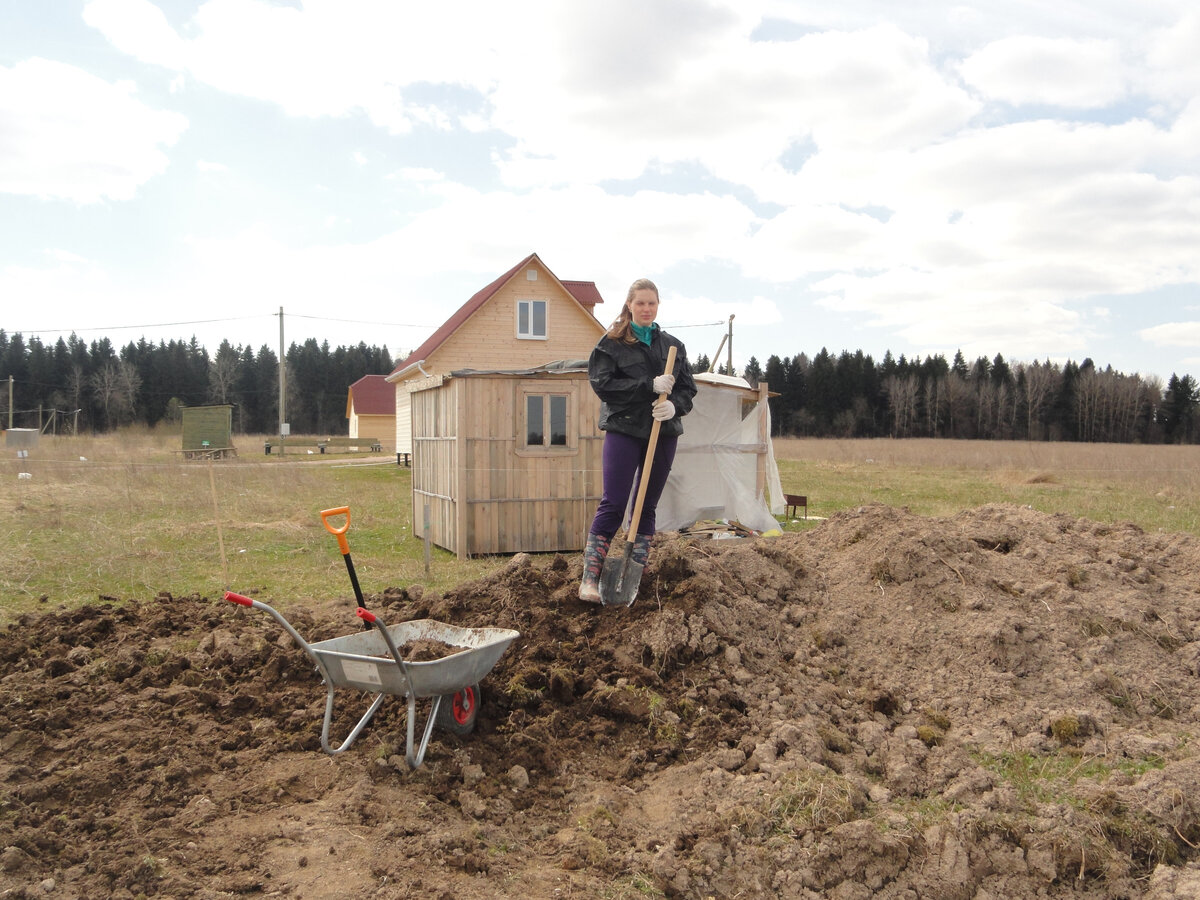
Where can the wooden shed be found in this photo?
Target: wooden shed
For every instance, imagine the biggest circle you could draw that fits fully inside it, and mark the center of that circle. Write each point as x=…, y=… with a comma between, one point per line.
x=208, y=432
x=506, y=461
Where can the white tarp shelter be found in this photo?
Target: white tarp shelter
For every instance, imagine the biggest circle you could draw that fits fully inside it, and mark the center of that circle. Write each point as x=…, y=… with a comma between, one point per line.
x=724, y=465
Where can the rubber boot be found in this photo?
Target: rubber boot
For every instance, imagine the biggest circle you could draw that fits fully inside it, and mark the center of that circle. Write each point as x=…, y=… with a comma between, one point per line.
x=593, y=561
x=641, y=549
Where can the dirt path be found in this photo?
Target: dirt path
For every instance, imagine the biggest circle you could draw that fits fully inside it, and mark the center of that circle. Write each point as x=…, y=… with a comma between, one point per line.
x=998, y=705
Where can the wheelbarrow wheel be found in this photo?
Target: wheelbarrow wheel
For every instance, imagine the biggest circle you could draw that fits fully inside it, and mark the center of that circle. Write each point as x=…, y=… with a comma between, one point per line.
x=458, y=710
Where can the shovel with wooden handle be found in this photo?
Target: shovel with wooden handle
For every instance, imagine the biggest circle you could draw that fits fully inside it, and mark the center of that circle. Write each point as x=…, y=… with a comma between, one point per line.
x=621, y=575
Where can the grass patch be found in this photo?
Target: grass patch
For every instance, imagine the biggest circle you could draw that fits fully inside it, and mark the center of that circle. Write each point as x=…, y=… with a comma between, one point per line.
x=131, y=521
x=1155, y=487
x=121, y=516
x=1051, y=778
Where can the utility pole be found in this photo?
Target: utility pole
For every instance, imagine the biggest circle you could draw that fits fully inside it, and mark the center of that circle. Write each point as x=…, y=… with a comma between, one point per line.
x=729, y=349
x=10, y=387
x=282, y=384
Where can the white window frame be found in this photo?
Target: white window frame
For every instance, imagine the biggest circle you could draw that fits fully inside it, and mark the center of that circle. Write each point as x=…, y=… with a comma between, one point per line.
x=528, y=308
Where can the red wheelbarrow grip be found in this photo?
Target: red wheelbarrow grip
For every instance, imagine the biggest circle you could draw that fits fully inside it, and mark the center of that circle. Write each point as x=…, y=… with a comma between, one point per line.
x=366, y=615
x=238, y=598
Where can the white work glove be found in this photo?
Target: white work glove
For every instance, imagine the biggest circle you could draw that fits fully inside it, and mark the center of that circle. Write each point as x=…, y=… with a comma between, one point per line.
x=664, y=384
x=663, y=410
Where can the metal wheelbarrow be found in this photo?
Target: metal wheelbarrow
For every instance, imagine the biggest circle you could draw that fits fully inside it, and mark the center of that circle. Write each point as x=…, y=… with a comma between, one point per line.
x=371, y=661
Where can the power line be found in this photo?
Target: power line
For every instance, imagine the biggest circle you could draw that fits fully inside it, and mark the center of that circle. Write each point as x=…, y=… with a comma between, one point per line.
x=127, y=327
x=357, y=321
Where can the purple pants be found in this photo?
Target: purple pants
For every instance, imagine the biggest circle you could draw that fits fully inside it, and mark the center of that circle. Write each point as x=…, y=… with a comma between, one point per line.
x=622, y=459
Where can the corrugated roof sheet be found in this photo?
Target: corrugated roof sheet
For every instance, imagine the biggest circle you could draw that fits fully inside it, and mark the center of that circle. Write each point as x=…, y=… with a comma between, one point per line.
x=585, y=292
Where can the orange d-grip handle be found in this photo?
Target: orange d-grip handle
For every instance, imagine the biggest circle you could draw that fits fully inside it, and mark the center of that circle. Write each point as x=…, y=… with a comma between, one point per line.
x=340, y=533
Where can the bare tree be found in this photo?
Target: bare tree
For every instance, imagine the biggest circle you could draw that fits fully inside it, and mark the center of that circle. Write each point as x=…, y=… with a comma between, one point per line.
x=902, y=400
x=223, y=372
x=129, y=386
x=1039, y=380
x=104, y=384
x=958, y=403
x=935, y=400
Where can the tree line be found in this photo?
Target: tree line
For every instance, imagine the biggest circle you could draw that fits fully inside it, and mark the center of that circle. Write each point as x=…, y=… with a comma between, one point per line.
x=851, y=396
x=72, y=386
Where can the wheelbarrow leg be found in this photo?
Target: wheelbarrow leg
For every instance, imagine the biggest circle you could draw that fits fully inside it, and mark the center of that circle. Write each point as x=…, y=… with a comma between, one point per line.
x=415, y=761
x=354, y=732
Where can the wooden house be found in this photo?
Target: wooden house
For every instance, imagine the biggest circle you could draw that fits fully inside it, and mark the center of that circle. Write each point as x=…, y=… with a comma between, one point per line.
x=524, y=319
x=371, y=408
x=506, y=461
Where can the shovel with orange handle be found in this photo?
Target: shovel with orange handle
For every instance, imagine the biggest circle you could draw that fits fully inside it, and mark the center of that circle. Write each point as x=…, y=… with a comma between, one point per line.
x=344, y=545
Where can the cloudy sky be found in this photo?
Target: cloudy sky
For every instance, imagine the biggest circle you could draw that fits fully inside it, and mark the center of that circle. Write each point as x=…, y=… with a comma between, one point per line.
x=1009, y=176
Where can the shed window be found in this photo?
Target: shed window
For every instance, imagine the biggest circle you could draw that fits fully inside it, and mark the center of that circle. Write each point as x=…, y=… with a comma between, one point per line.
x=531, y=319
x=545, y=420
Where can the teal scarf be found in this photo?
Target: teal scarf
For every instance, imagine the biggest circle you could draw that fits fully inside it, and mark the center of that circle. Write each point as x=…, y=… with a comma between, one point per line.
x=644, y=332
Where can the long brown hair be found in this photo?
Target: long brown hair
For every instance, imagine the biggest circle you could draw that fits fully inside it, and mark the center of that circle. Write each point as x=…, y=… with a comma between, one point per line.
x=622, y=327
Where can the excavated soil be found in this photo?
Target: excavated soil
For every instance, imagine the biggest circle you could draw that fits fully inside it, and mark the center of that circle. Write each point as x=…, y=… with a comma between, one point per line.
x=1002, y=704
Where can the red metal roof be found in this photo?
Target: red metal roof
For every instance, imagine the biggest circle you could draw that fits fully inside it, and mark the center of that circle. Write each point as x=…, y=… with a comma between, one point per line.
x=584, y=292
x=371, y=395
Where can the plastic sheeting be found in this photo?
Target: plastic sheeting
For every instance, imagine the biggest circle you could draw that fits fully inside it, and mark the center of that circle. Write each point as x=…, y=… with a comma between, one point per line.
x=715, y=475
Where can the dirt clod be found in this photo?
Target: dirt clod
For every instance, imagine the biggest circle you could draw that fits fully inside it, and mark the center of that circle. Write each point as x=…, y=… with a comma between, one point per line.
x=1000, y=703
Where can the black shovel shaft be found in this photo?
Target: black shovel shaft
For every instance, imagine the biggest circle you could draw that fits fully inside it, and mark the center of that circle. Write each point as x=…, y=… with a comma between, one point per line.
x=358, y=594
x=339, y=531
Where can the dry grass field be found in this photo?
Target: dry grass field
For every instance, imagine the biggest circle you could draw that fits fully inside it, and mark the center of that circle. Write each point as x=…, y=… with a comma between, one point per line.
x=1155, y=487
x=122, y=515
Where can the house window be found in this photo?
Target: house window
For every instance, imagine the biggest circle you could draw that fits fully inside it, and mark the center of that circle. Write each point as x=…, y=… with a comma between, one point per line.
x=531, y=319
x=545, y=420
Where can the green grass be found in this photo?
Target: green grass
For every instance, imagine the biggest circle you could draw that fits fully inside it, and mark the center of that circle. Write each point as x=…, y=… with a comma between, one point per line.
x=122, y=516
x=116, y=527
x=1051, y=778
x=1157, y=488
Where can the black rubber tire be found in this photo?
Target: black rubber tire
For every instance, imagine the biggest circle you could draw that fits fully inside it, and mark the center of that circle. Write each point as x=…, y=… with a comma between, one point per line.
x=458, y=711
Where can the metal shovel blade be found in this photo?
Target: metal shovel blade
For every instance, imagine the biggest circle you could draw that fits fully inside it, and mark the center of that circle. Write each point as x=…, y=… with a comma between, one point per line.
x=620, y=577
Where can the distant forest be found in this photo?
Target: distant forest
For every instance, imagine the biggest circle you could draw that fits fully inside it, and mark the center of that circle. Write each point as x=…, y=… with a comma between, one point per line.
x=76, y=386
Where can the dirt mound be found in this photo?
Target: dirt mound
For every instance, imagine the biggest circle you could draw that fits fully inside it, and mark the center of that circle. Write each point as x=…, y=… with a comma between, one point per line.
x=995, y=705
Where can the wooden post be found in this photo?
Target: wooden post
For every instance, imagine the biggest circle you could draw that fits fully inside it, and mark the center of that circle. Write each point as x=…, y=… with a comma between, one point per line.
x=760, y=474
x=426, y=531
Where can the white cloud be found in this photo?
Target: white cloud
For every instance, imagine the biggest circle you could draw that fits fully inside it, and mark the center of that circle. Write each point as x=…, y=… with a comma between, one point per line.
x=1172, y=334
x=1049, y=71
x=1174, y=64
x=328, y=58
x=139, y=28
x=74, y=136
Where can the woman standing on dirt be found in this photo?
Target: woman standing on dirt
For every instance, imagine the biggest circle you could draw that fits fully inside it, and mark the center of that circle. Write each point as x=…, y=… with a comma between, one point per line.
x=626, y=370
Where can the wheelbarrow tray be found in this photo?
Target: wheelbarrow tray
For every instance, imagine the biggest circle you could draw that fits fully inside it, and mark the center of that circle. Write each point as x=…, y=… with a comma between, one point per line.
x=362, y=660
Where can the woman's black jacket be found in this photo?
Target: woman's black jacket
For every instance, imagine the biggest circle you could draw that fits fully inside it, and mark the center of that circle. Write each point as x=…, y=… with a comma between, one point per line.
x=622, y=375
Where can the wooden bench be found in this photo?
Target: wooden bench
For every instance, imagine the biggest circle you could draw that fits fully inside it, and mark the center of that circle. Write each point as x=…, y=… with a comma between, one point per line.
x=793, y=502
x=372, y=444
x=208, y=452
x=343, y=441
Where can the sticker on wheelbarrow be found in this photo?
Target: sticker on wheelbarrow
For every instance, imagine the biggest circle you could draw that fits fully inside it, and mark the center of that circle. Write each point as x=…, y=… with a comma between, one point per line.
x=362, y=672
